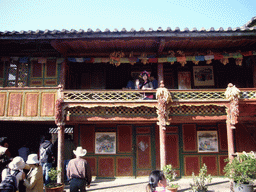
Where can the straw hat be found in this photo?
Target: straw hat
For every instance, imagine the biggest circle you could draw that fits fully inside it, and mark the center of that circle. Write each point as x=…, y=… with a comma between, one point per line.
x=32, y=159
x=17, y=163
x=79, y=152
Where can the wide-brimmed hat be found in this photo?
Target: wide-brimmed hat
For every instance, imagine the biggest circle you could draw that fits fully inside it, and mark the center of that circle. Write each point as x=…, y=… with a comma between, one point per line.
x=80, y=151
x=17, y=163
x=32, y=159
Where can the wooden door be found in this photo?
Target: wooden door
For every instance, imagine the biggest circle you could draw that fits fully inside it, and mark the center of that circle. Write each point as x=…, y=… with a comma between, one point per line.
x=144, y=155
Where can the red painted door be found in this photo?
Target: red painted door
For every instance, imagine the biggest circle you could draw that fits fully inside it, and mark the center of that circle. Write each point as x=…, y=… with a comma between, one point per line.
x=143, y=151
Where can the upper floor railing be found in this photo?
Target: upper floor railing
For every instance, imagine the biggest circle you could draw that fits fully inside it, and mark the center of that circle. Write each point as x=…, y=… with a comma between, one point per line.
x=138, y=95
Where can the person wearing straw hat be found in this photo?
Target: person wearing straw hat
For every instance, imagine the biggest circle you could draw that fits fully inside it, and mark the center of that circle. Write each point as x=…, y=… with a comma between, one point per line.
x=15, y=167
x=79, y=171
x=34, y=181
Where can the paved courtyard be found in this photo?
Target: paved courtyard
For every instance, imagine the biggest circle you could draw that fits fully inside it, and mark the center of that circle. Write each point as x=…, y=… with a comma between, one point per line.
x=136, y=185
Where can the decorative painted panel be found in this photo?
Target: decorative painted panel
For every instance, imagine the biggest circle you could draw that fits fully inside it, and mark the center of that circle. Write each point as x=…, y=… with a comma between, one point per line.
x=31, y=104
x=191, y=164
x=92, y=162
x=143, y=152
x=51, y=68
x=244, y=140
x=124, y=166
x=15, y=102
x=143, y=130
x=124, y=138
x=48, y=104
x=2, y=103
x=50, y=82
x=36, y=82
x=222, y=164
x=223, y=137
x=211, y=163
x=87, y=137
x=106, y=167
x=189, y=137
x=170, y=129
x=172, y=150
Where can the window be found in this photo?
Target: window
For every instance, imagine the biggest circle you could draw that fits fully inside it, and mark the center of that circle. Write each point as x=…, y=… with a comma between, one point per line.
x=17, y=74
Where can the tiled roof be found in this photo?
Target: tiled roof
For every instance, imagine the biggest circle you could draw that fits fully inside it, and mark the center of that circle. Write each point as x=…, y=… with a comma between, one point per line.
x=48, y=33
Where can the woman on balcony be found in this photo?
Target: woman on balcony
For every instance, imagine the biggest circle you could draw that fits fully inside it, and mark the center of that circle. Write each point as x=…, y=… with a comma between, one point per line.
x=145, y=84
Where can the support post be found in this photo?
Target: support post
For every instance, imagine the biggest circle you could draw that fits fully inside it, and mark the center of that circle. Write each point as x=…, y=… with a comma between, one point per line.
x=163, y=96
x=59, y=121
x=60, y=159
x=232, y=94
x=160, y=73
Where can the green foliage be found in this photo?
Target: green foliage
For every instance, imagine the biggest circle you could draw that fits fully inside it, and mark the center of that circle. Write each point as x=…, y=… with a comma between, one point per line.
x=200, y=181
x=241, y=169
x=170, y=175
x=53, y=173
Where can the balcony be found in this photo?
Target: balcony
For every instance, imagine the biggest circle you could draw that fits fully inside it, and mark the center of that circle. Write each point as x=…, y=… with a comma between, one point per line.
x=38, y=104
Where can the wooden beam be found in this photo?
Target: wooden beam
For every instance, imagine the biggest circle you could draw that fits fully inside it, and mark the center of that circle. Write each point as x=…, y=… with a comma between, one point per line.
x=161, y=46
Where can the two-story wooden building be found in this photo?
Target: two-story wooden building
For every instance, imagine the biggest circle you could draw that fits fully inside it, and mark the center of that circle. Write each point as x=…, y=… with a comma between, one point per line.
x=77, y=79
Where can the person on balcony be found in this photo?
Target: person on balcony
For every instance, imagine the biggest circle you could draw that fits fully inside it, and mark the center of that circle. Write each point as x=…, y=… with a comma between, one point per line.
x=145, y=84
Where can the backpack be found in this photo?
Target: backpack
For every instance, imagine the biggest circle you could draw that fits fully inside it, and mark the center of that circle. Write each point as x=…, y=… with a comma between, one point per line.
x=10, y=182
x=46, y=154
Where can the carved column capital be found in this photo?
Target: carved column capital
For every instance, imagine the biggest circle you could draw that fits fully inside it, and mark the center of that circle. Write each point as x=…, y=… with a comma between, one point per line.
x=164, y=98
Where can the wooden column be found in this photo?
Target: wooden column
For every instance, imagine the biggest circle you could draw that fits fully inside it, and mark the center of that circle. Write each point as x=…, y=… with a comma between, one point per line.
x=160, y=73
x=163, y=96
x=232, y=94
x=63, y=73
x=59, y=121
x=60, y=159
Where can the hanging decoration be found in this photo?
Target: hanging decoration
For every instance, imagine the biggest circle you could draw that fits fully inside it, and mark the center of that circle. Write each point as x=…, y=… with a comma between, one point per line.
x=116, y=58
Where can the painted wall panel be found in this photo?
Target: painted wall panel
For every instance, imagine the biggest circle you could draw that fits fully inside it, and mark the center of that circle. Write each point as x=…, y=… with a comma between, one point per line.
x=223, y=137
x=106, y=167
x=15, y=102
x=124, y=138
x=48, y=104
x=222, y=164
x=2, y=103
x=92, y=162
x=189, y=137
x=172, y=150
x=244, y=140
x=143, y=152
x=31, y=104
x=87, y=137
x=124, y=166
x=191, y=164
x=211, y=163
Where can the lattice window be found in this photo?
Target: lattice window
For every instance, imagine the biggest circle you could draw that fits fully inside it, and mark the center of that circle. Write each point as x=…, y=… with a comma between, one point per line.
x=209, y=110
x=113, y=111
x=17, y=74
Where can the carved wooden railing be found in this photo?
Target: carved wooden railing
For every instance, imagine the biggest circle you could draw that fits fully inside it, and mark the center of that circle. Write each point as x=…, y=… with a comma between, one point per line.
x=135, y=95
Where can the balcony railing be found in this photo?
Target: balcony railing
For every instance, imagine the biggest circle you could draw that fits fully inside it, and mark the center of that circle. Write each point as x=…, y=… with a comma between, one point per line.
x=138, y=95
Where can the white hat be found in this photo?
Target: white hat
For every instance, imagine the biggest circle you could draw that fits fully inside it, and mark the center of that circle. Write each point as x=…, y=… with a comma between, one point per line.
x=80, y=152
x=17, y=163
x=32, y=159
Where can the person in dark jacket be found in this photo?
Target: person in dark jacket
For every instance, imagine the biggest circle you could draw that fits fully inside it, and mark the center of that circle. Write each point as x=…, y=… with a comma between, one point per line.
x=46, y=157
x=79, y=171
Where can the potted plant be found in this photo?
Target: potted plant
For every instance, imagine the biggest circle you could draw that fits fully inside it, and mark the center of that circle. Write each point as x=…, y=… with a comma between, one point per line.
x=170, y=175
x=241, y=170
x=53, y=186
x=200, y=182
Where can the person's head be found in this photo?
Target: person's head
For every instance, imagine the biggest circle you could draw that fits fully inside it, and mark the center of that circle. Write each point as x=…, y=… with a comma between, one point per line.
x=4, y=142
x=156, y=179
x=80, y=152
x=33, y=160
x=145, y=75
x=17, y=163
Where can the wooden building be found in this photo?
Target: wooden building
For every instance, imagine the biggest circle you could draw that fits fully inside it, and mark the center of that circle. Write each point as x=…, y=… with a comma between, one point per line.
x=77, y=79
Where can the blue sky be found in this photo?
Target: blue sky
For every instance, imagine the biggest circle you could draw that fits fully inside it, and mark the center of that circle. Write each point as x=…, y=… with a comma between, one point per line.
x=83, y=14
